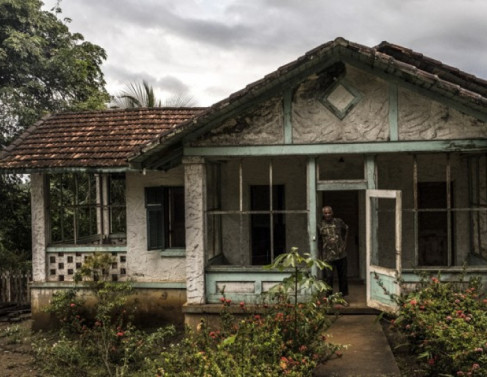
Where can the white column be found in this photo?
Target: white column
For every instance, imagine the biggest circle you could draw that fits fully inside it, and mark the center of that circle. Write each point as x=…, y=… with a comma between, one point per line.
x=40, y=218
x=195, y=206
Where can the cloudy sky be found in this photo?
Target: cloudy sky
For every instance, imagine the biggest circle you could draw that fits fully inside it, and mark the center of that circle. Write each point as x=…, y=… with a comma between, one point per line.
x=211, y=48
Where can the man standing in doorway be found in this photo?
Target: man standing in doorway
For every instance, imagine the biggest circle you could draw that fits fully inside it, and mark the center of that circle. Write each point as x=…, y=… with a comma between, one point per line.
x=333, y=234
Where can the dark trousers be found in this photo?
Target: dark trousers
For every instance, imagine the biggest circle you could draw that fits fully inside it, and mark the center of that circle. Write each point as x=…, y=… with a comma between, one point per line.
x=340, y=266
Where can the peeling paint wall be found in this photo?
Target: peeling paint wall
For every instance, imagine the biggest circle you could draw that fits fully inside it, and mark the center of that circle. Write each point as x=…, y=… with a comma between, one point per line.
x=367, y=121
x=420, y=118
x=142, y=264
x=39, y=226
x=263, y=124
x=195, y=197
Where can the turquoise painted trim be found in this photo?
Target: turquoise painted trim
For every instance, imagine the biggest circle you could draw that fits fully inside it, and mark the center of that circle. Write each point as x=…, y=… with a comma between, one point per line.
x=473, y=145
x=312, y=218
x=382, y=292
x=167, y=253
x=87, y=249
x=139, y=285
x=341, y=186
x=287, y=103
x=429, y=93
x=160, y=285
x=254, y=279
x=393, y=113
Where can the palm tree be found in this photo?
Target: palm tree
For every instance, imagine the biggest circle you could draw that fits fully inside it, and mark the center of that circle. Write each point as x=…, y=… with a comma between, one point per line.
x=142, y=95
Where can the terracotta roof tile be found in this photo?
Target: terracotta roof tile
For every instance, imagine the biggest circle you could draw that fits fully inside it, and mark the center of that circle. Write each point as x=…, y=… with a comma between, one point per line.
x=93, y=139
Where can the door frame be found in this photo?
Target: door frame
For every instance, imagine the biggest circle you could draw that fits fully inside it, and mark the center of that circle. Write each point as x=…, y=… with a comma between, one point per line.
x=381, y=281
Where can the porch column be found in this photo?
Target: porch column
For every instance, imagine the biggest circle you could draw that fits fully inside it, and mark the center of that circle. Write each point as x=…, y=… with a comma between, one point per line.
x=40, y=225
x=311, y=195
x=195, y=206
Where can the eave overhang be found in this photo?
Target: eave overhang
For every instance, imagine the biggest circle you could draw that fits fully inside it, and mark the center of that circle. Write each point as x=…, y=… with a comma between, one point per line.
x=288, y=76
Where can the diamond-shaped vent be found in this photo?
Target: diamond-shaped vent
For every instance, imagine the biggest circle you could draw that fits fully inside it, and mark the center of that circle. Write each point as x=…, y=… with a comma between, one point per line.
x=341, y=99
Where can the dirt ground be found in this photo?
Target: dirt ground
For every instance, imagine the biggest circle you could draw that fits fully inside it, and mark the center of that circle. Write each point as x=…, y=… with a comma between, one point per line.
x=16, y=358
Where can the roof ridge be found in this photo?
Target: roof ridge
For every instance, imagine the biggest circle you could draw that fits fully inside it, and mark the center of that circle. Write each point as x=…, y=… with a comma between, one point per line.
x=458, y=74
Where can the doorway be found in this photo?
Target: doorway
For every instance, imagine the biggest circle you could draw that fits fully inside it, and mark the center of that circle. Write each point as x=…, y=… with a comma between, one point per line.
x=345, y=205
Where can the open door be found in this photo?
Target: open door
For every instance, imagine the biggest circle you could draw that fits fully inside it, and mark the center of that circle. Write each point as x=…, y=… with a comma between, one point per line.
x=384, y=240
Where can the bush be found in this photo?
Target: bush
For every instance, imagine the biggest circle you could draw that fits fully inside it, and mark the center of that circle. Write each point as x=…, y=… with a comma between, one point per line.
x=446, y=325
x=280, y=337
x=98, y=343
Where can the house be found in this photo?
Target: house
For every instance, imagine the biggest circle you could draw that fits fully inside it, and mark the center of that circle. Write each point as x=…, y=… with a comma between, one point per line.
x=189, y=201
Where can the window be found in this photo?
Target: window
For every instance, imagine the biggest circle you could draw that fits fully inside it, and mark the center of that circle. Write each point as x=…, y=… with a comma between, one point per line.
x=268, y=239
x=165, y=217
x=87, y=208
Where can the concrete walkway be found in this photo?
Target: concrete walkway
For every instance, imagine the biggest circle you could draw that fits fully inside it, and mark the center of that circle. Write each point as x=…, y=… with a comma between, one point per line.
x=368, y=353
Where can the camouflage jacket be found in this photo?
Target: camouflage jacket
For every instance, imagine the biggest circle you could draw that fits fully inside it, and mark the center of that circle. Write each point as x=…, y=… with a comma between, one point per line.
x=332, y=239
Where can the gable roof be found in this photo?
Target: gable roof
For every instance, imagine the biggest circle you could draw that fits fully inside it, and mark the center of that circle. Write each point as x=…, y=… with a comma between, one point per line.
x=115, y=138
x=393, y=61
x=91, y=139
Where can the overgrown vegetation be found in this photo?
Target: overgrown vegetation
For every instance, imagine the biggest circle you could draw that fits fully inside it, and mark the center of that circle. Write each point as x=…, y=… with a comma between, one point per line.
x=280, y=336
x=446, y=327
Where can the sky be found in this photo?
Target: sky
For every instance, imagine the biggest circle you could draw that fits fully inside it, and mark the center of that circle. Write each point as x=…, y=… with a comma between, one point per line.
x=208, y=49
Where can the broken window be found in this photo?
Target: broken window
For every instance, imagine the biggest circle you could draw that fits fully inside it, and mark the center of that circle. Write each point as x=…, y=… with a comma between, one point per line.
x=165, y=217
x=87, y=208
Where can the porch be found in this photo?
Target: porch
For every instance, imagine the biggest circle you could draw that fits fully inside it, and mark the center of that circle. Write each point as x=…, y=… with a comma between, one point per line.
x=257, y=207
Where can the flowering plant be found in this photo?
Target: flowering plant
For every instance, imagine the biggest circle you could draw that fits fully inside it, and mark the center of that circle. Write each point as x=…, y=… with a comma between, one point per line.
x=446, y=324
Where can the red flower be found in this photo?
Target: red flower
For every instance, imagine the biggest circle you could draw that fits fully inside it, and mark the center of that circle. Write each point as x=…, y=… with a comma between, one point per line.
x=242, y=304
x=72, y=305
x=120, y=333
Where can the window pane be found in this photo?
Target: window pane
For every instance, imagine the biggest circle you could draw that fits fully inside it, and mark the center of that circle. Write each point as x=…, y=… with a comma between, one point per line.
x=174, y=211
x=154, y=228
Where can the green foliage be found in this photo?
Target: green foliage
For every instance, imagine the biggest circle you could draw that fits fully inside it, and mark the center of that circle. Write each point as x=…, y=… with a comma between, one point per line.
x=142, y=95
x=272, y=339
x=44, y=67
x=446, y=324
x=252, y=343
x=281, y=337
x=102, y=343
x=15, y=229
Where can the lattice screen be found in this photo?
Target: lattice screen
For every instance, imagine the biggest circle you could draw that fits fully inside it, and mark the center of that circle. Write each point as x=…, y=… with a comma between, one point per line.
x=63, y=266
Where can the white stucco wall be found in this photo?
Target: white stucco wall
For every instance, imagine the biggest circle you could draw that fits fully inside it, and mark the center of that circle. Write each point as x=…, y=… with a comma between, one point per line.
x=195, y=198
x=420, y=118
x=149, y=265
x=367, y=121
x=39, y=226
x=263, y=124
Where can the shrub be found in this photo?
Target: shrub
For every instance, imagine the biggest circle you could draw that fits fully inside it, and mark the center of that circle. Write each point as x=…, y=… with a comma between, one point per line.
x=280, y=337
x=446, y=324
x=103, y=342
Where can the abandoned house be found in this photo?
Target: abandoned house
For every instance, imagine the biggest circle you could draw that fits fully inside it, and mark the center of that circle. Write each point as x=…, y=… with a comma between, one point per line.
x=191, y=200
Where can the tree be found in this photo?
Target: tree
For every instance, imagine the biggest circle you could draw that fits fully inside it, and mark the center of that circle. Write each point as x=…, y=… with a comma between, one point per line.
x=142, y=95
x=44, y=68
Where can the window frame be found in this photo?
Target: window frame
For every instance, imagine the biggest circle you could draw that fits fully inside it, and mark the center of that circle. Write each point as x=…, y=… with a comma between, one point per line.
x=99, y=205
x=160, y=199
